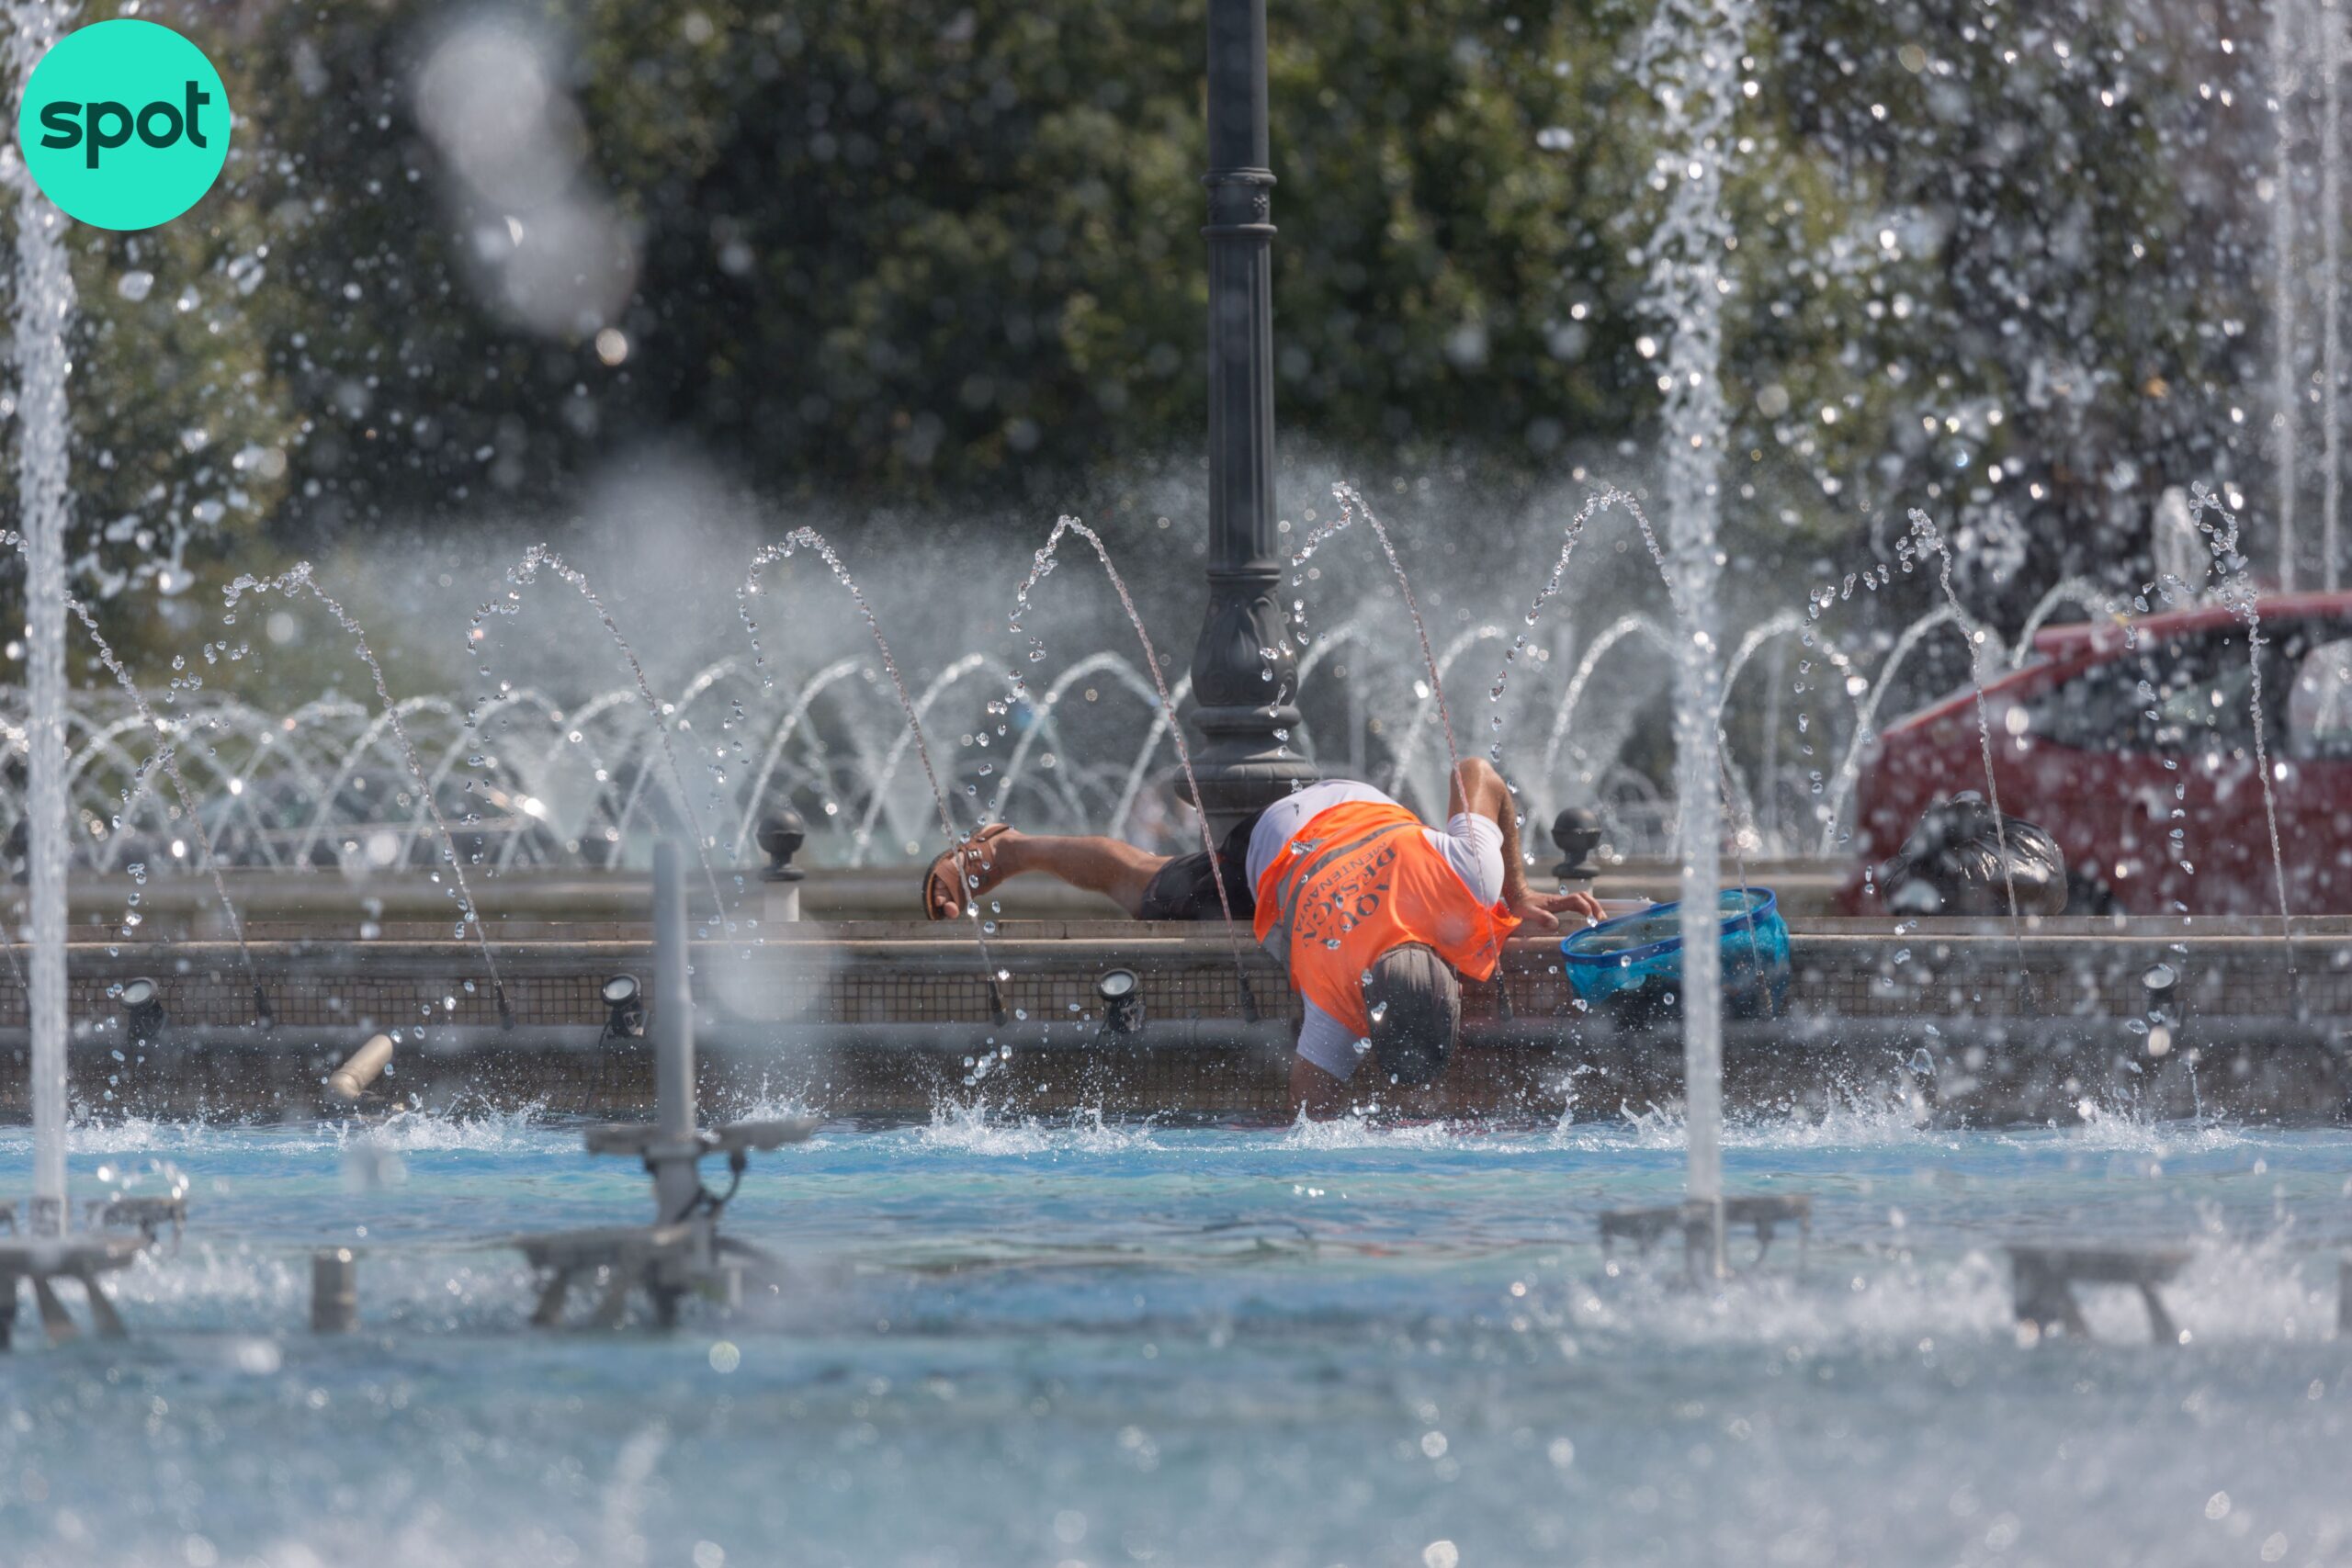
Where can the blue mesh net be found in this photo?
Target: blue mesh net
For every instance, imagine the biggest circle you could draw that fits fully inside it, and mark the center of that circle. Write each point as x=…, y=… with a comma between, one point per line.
x=1632, y=966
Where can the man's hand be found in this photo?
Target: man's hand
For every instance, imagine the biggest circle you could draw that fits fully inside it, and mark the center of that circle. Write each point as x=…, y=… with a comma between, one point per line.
x=1541, y=911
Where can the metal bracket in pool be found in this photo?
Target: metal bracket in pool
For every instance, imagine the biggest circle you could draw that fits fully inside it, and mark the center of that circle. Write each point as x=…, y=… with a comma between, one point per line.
x=1696, y=1219
x=146, y=1214
x=681, y=1251
x=42, y=1261
x=2044, y=1279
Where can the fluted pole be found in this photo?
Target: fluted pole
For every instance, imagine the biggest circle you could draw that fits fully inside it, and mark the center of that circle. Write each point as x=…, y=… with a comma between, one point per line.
x=1244, y=697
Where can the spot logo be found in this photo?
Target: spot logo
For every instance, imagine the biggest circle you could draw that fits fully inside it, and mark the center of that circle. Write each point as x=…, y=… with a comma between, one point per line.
x=124, y=124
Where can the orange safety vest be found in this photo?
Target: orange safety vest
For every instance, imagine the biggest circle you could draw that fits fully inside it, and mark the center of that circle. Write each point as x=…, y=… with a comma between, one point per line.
x=1358, y=880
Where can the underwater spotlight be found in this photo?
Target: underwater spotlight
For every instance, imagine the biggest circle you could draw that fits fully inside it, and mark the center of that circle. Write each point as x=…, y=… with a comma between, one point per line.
x=624, y=1008
x=141, y=1002
x=1121, y=995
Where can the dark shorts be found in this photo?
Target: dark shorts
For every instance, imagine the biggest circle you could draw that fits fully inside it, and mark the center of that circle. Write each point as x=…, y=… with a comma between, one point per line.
x=1185, y=888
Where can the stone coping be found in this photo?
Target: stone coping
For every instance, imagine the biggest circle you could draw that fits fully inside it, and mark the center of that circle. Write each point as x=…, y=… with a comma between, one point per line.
x=2329, y=936
x=184, y=902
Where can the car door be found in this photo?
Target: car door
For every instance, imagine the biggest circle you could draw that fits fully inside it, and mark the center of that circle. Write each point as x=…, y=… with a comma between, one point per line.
x=2142, y=767
x=2315, y=787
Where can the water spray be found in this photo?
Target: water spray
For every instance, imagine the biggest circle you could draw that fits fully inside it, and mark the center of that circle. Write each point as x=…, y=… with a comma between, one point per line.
x=299, y=577
x=1041, y=566
x=808, y=539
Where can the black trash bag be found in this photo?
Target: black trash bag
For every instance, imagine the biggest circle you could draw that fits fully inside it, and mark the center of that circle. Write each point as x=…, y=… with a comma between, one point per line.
x=1951, y=864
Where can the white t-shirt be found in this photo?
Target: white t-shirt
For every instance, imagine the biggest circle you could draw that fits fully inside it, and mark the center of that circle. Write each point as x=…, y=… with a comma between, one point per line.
x=1472, y=845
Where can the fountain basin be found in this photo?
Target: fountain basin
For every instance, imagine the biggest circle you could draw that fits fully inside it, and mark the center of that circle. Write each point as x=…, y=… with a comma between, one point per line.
x=1959, y=1019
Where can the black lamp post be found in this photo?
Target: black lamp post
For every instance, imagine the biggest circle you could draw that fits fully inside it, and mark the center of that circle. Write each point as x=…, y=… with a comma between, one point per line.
x=1243, y=698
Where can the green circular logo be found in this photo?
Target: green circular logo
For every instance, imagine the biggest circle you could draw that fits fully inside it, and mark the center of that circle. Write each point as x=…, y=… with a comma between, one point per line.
x=124, y=125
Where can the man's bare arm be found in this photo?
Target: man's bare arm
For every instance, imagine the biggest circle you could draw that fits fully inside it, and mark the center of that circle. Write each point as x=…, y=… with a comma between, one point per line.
x=1479, y=791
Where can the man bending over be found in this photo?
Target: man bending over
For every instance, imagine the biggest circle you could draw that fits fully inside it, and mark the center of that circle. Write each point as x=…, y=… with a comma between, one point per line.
x=1375, y=915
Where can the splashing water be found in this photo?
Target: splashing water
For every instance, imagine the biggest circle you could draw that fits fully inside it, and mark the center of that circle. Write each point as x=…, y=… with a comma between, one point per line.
x=1041, y=567
x=1924, y=539
x=2286, y=398
x=521, y=575
x=862, y=838
x=1594, y=504
x=2331, y=224
x=168, y=755
x=1608, y=496
x=297, y=577
x=1690, y=60
x=2236, y=593
x=44, y=314
x=808, y=539
x=1351, y=504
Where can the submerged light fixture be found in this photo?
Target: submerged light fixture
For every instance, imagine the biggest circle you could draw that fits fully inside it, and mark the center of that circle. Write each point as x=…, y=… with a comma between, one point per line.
x=141, y=1002
x=1122, y=994
x=624, y=1008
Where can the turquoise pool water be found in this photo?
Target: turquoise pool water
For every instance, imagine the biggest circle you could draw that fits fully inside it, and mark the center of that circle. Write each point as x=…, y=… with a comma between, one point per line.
x=1019, y=1343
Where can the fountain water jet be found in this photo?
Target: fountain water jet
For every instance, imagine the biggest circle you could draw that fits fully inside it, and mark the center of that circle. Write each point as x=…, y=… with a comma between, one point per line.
x=2237, y=593
x=841, y=669
x=1040, y=566
x=2331, y=224
x=2284, y=396
x=170, y=758
x=1691, y=53
x=1350, y=503
x=1597, y=503
x=947, y=678
x=299, y=576
x=1446, y=659
x=44, y=313
x=1925, y=538
x=808, y=539
x=521, y=575
x=1043, y=708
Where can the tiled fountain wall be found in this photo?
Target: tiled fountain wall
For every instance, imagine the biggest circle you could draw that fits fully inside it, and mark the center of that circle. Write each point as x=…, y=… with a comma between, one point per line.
x=881, y=1017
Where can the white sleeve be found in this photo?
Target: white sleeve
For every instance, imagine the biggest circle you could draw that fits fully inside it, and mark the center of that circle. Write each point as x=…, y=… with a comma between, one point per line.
x=1473, y=846
x=1326, y=1042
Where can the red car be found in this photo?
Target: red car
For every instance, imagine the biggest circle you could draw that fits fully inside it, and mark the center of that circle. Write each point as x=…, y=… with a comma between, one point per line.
x=2134, y=748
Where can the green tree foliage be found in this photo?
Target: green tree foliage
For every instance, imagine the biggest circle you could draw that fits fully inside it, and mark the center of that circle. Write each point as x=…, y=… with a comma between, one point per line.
x=926, y=251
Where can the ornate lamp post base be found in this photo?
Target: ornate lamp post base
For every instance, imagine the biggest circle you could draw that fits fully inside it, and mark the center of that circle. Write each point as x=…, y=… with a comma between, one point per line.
x=1247, y=698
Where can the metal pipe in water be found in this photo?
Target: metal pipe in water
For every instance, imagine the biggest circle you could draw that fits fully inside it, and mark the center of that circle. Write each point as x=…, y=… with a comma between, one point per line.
x=349, y=1081
x=671, y=1028
x=334, y=1291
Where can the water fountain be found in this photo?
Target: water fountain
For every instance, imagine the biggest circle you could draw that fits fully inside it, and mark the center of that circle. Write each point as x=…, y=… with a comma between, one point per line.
x=521, y=575
x=2285, y=399
x=1693, y=53
x=469, y=917
x=2331, y=224
x=981, y=1245
x=44, y=313
x=681, y=1253
x=1924, y=538
x=808, y=539
x=1042, y=564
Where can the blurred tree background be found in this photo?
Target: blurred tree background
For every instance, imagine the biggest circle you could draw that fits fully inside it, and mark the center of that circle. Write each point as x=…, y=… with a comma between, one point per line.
x=2002, y=262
